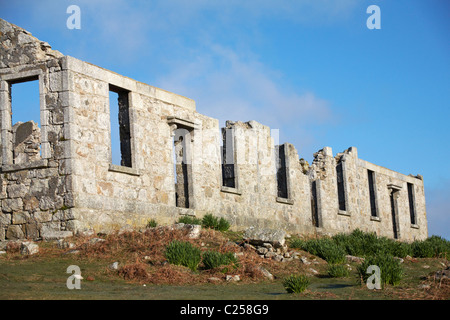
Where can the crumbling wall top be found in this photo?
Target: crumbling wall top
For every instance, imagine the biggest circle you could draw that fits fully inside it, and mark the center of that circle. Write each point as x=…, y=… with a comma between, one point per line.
x=19, y=47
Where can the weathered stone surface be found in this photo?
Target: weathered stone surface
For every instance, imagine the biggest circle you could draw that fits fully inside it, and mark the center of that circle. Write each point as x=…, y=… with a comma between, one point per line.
x=257, y=236
x=48, y=233
x=278, y=257
x=5, y=219
x=20, y=217
x=193, y=230
x=96, y=240
x=270, y=255
x=29, y=248
x=266, y=273
x=10, y=205
x=32, y=230
x=234, y=278
x=114, y=266
x=14, y=232
x=262, y=250
x=305, y=261
x=17, y=190
x=64, y=244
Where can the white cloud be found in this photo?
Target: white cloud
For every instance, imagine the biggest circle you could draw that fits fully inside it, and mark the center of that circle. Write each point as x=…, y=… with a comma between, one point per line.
x=231, y=86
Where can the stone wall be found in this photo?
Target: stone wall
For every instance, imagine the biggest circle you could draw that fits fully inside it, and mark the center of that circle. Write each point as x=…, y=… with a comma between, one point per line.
x=172, y=162
x=35, y=194
x=358, y=213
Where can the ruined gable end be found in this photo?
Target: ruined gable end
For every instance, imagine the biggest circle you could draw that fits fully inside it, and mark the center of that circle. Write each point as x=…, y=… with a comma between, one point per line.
x=19, y=47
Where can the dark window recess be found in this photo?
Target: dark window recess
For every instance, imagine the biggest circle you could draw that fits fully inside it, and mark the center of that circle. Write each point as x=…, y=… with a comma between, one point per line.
x=120, y=126
x=412, y=210
x=228, y=170
x=340, y=186
x=181, y=170
x=372, y=186
x=282, y=173
x=314, y=208
x=393, y=197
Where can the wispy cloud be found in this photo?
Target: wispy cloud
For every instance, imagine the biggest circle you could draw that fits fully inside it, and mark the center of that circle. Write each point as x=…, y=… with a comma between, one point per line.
x=235, y=86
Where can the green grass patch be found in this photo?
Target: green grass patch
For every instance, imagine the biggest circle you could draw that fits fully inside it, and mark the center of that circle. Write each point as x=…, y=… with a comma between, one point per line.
x=295, y=283
x=338, y=271
x=214, y=259
x=212, y=222
x=390, y=269
x=324, y=248
x=189, y=220
x=183, y=254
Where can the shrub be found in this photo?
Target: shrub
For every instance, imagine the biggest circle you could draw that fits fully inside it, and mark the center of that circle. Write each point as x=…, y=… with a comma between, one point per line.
x=434, y=246
x=214, y=259
x=338, y=271
x=359, y=243
x=209, y=221
x=151, y=223
x=189, y=220
x=401, y=249
x=183, y=253
x=295, y=283
x=212, y=222
x=326, y=249
x=363, y=244
x=390, y=268
x=224, y=225
x=296, y=243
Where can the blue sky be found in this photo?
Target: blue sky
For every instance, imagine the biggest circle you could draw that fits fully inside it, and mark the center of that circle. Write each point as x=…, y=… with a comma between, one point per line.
x=310, y=68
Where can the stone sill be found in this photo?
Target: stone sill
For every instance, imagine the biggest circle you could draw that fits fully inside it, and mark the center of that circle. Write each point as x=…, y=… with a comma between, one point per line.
x=414, y=226
x=186, y=212
x=372, y=218
x=231, y=190
x=285, y=201
x=122, y=169
x=343, y=213
x=43, y=163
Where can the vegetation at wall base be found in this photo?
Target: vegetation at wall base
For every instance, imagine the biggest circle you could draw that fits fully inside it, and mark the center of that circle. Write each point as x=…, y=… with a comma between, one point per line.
x=365, y=244
x=189, y=220
x=338, y=271
x=152, y=224
x=212, y=222
x=183, y=254
x=214, y=259
x=208, y=221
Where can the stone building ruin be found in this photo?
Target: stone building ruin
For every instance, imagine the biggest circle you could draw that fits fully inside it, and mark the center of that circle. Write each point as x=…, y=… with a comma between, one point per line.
x=58, y=177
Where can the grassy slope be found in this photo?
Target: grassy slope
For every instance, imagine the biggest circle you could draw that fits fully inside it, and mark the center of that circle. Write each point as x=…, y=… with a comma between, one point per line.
x=43, y=276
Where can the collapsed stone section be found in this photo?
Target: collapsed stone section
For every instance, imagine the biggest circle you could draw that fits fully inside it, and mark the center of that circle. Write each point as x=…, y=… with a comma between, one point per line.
x=60, y=178
x=26, y=142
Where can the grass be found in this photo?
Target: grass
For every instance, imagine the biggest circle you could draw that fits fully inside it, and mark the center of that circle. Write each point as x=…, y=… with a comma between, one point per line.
x=142, y=261
x=214, y=259
x=338, y=271
x=208, y=221
x=391, y=272
x=365, y=244
x=296, y=283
